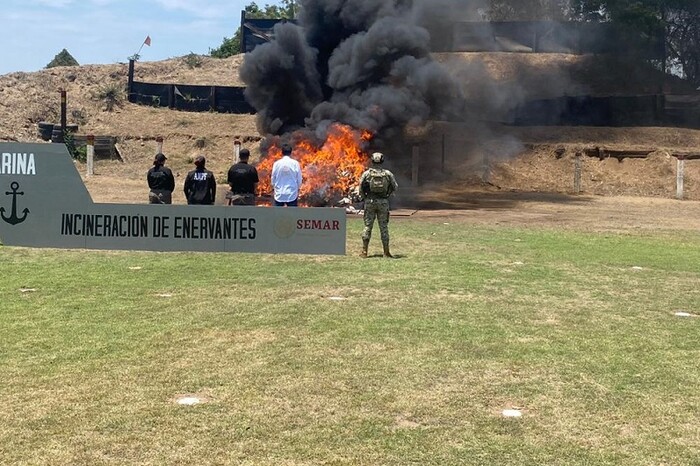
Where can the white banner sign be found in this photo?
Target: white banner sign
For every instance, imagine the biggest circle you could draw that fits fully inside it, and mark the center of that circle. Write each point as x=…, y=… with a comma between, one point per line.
x=44, y=203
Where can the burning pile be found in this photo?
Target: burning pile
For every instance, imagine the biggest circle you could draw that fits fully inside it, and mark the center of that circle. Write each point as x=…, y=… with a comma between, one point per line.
x=350, y=68
x=330, y=171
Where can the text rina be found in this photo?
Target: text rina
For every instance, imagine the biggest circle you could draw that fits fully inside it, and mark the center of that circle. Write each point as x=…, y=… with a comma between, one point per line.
x=17, y=164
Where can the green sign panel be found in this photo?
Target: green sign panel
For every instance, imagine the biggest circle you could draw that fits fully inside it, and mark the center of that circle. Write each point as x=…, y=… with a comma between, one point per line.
x=44, y=203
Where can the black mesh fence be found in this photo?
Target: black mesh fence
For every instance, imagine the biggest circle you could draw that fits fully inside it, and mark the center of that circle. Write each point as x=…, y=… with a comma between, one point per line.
x=191, y=98
x=643, y=110
x=155, y=95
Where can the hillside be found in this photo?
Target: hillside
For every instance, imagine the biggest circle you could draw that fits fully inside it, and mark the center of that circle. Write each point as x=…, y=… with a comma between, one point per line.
x=523, y=159
x=35, y=97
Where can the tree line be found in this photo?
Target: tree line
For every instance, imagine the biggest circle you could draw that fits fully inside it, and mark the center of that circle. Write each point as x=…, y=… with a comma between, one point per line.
x=678, y=21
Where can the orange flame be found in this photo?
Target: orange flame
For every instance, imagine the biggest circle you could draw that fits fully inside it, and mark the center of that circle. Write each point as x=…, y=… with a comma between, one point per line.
x=329, y=172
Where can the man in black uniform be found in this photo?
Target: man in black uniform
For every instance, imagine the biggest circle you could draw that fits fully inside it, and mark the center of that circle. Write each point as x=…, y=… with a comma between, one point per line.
x=243, y=179
x=160, y=181
x=200, y=185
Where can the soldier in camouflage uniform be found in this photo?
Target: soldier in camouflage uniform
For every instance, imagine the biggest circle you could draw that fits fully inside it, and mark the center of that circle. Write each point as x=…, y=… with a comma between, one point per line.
x=376, y=185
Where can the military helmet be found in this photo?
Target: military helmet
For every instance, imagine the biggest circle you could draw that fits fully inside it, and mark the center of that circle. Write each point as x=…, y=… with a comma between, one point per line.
x=377, y=157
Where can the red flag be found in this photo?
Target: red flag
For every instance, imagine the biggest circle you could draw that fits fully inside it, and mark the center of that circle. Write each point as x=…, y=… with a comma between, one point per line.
x=147, y=41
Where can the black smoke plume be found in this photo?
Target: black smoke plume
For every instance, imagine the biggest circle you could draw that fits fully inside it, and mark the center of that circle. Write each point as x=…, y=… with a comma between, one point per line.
x=364, y=63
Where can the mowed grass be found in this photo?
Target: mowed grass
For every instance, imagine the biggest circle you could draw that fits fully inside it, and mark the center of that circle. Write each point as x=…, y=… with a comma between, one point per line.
x=413, y=366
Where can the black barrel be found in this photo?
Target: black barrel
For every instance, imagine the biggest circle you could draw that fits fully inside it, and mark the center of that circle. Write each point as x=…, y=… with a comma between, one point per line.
x=57, y=134
x=72, y=128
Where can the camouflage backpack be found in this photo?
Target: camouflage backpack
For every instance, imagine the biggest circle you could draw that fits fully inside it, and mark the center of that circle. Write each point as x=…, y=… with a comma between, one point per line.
x=378, y=182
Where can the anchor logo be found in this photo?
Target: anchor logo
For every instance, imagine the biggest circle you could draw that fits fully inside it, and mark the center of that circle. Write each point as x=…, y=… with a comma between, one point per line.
x=13, y=219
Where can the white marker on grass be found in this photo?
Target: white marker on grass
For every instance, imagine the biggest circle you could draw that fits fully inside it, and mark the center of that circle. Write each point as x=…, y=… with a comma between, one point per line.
x=188, y=401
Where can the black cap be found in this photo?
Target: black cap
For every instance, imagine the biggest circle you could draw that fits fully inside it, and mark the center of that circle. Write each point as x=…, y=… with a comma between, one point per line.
x=244, y=154
x=200, y=161
x=160, y=158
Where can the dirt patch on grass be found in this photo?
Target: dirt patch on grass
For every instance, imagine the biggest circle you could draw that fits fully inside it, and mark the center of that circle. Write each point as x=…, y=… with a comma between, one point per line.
x=583, y=213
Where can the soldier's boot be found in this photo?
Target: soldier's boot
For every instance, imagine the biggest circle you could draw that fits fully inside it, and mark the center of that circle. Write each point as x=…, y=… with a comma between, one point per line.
x=386, y=250
x=365, y=247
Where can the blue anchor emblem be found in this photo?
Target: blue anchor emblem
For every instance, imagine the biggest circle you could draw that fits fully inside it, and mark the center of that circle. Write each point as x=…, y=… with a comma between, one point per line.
x=13, y=219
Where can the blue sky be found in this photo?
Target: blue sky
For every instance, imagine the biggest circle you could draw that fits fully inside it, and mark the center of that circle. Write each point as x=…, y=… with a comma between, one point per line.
x=109, y=31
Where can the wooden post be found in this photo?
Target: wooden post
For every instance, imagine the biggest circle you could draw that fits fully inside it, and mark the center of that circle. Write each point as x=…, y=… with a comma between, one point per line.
x=442, y=166
x=90, y=154
x=236, y=150
x=112, y=144
x=130, y=86
x=660, y=110
x=212, y=99
x=577, y=173
x=171, y=96
x=414, y=166
x=535, y=47
x=485, y=168
x=680, y=174
x=64, y=111
x=159, y=145
x=243, y=44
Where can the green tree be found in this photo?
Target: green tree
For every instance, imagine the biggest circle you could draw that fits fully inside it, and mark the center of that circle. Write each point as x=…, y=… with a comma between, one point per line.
x=678, y=19
x=63, y=58
x=683, y=41
x=232, y=46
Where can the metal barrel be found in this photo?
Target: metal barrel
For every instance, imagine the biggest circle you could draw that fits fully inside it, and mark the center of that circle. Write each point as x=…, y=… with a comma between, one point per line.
x=57, y=134
x=45, y=130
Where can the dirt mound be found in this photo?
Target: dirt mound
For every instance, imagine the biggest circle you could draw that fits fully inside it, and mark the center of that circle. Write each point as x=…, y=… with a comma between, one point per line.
x=529, y=76
x=542, y=170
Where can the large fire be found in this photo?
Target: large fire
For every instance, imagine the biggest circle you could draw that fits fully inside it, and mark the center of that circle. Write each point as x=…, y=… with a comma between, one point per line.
x=330, y=172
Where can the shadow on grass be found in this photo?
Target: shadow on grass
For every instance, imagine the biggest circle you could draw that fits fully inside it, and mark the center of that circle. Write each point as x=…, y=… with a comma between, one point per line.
x=381, y=256
x=443, y=198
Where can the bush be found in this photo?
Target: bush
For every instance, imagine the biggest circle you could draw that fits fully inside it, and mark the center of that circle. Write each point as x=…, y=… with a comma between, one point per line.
x=63, y=58
x=77, y=152
x=113, y=95
x=192, y=60
x=80, y=116
x=229, y=47
x=201, y=143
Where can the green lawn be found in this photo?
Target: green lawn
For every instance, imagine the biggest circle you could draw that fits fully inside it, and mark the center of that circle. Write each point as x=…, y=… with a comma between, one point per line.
x=413, y=366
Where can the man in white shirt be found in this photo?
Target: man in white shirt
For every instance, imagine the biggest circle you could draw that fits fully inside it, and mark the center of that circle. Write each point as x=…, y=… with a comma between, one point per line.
x=286, y=179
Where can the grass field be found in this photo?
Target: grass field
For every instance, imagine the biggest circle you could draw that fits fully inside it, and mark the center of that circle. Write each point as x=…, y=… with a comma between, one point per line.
x=414, y=365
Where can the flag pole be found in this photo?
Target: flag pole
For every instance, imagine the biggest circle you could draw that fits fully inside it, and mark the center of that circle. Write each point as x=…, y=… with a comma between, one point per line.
x=147, y=41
